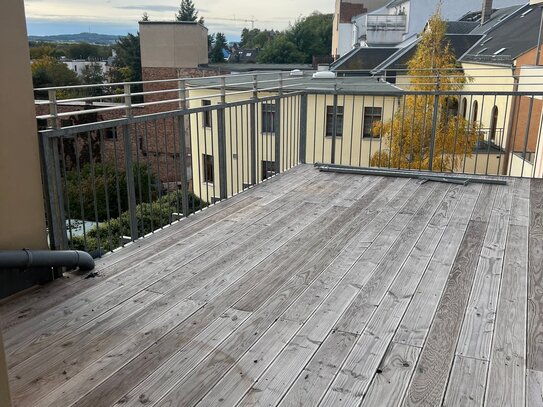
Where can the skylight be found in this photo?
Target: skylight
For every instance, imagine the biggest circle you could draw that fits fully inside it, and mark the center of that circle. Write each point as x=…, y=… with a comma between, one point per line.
x=498, y=52
x=486, y=40
x=526, y=12
x=481, y=51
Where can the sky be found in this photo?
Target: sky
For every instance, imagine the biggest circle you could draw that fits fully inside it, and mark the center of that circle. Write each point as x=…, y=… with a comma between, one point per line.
x=118, y=17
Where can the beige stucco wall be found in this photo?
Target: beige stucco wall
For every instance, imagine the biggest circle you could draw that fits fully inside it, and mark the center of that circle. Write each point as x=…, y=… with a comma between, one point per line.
x=351, y=148
x=487, y=78
x=173, y=44
x=21, y=197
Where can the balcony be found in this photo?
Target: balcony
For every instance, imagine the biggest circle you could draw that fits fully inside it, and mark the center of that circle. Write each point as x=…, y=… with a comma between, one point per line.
x=238, y=273
x=385, y=29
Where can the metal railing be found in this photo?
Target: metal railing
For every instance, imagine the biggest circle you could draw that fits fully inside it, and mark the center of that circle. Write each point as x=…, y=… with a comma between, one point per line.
x=386, y=22
x=111, y=182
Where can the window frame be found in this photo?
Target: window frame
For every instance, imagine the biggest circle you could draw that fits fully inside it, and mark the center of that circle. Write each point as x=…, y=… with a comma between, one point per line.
x=340, y=117
x=208, y=115
x=267, y=125
x=208, y=169
x=371, y=116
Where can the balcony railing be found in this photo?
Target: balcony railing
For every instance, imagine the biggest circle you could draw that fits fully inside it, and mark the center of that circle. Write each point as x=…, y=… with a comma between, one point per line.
x=116, y=172
x=386, y=22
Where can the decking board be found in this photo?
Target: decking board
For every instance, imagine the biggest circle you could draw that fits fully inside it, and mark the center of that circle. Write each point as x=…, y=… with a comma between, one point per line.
x=309, y=289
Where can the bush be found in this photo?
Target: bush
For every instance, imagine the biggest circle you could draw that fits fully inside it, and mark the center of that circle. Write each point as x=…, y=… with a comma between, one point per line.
x=150, y=217
x=103, y=180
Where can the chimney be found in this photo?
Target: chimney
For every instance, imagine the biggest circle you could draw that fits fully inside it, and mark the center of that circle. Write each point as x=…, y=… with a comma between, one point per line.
x=487, y=11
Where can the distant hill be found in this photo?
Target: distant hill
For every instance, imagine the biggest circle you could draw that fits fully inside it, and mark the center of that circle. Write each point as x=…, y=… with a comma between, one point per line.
x=91, y=38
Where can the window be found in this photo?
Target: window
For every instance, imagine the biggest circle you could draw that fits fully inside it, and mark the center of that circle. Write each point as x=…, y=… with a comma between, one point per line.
x=494, y=123
x=208, y=171
x=330, y=121
x=207, y=113
x=475, y=112
x=372, y=115
x=268, y=169
x=268, y=118
x=110, y=133
x=464, y=107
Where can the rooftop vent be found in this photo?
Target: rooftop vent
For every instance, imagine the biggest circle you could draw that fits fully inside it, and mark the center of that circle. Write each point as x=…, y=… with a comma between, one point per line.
x=296, y=72
x=324, y=75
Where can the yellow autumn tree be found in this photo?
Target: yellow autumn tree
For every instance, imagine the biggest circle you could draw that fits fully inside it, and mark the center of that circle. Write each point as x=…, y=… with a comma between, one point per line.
x=409, y=138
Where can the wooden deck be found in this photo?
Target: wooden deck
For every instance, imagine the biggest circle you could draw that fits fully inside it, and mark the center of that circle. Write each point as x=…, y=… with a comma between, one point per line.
x=311, y=289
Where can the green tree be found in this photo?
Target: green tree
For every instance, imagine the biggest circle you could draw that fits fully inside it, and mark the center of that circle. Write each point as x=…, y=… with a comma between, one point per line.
x=49, y=72
x=256, y=38
x=187, y=12
x=129, y=55
x=90, y=75
x=312, y=35
x=281, y=51
x=219, y=45
x=409, y=137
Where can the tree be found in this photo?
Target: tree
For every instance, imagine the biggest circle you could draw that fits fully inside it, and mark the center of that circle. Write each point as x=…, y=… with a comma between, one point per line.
x=256, y=38
x=312, y=35
x=409, y=137
x=281, y=51
x=145, y=17
x=49, y=72
x=93, y=74
x=217, y=50
x=129, y=55
x=187, y=12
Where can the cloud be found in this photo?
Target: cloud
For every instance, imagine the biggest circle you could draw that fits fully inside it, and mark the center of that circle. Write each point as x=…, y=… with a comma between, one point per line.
x=149, y=7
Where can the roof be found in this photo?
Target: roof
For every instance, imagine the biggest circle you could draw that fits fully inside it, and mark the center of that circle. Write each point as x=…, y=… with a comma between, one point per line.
x=396, y=3
x=362, y=85
x=365, y=58
x=497, y=17
x=460, y=44
x=240, y=67
x=507, y=41
x=461, y=27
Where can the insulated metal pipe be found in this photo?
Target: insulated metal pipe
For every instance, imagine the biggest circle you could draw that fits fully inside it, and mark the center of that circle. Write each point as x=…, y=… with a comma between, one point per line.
x=25, y=259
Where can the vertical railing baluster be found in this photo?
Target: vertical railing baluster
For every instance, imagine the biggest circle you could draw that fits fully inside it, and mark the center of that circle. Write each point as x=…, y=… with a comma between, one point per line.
x=277, y=126
x=303, y=128
x=129, y=167
x=183, y=150
x=252, y=136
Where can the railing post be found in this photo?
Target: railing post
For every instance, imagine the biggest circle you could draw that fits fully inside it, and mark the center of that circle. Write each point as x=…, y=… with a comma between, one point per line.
x=277, y=126
x=334, y=128
x=221, y=143
x=254, y=179
x=434, y=128
x=183, y=149
x=49, y=147
x=303, y=128
x=130, y=182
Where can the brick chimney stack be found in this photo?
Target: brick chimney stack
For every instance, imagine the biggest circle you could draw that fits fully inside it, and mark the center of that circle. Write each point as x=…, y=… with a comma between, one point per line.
x=487, y=11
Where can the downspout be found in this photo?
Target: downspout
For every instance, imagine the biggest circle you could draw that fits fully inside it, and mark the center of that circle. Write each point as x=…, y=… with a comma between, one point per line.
x=25, y=259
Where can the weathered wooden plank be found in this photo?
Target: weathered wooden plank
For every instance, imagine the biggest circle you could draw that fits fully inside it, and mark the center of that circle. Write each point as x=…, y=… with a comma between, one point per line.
x=332, y=239
x=534, y=388
x=82, y=309
x=274, y=383
x=246, y=369
x=355, y=376
x=135, y=371
x=180, y=364
x=506, y=377
x=535, y=279
x=319, y=373
x=392, y=377
x=483, y=209
x=478, y=327
x=357, y=315
x=77, y=385
x=418, y=317
x=467, y=383
x=30, y=379
x=430, y=379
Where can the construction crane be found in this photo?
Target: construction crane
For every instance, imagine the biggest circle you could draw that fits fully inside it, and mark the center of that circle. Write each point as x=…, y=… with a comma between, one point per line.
x=244, y=20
